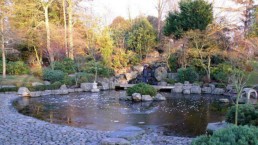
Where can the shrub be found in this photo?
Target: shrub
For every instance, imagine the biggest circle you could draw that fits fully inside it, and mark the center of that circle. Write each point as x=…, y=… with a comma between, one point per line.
x=17, y=68
x=246, y=114
x=102, y=70
x=143, y=89
x=53, y=86
x=85, y=77
x=14, y=89
x=53, y=75
x=222, y=72
x=67, y=65
x=172, y=61
x=37, y=70
x=233, y=135
x=187, y=74
x=69, y=81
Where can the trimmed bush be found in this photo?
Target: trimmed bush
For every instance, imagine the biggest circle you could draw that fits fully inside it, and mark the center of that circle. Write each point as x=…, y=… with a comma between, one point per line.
x=143, y=89
x=222, y=72
x=53, y=75
x=102, y=70
x=85, y=77
x=187, y=74
x=67, y=66
x=53, y=86
x=233, y=135
x=247, y=114
x=17, y=68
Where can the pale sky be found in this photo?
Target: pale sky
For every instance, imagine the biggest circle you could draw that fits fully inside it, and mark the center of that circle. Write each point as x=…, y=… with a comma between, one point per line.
x=109, y=9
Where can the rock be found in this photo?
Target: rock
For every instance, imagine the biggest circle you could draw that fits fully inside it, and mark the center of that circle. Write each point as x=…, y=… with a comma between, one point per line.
x=159, y=97
x=71, y=90
x=186, y=83
x=36, y=84
x=178, y=88
x=187, y=92
x=104, y=86
x=196, y=89
x=212, y=127
x=154, y=54
x=115, y=141
x=218, y=91
x=138, y=68
x=224, y=100
x=94, y=88
x=24, y=92
x=35, y=94
x=173, y=76
x=47, y=83
x=136, y=97
x=212, y=86
x=78, y=90
x=131, y=75
x=120, y=80
x=63, y=87
x=60, y=92
x=86, y=86
x=46, y=92
x=187, y=86
x=206, y=90
x=162, y=83
x=147, y=98
x=161, y=73
x=129, y=133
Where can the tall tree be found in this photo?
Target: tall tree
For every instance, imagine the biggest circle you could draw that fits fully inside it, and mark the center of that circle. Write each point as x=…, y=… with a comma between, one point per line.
x=194, y=14
x=70, y=28
x=160, y=7
x=45, y=6
x=65, y=26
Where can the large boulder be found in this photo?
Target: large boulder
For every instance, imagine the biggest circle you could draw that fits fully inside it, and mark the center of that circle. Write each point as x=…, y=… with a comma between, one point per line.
x=218, y=91
x=136, y=97
x=206, y=90
x=35, y=94
x=115, y=141
x=159, y=97
x=130, y=76
x=138, y=68
x=63, y=87
x=60, y=92
x=86, y=86
x=24, y=92
x=178, y=88
x=147, y=98
x=47, y=83
x=196, y=89
x=187, y=92
x=212, y=86
x=161, y=73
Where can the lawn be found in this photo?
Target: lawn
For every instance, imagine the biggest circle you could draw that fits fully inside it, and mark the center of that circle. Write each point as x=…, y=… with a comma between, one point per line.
x=21, y=80
x=253, y=78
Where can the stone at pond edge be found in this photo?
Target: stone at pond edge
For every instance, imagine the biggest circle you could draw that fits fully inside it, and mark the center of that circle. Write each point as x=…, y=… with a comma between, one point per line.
x=159, y=97
x=136, y=97
x=206, y=90
x=218, y=91
x=115, y=141
x=178, y=88
x=86, y=86
x=196, y=89
x=129, y=133
x=212, y=127
x=187, y=92
x=161, y=73
x=35, y=94
x=36, y=84
x=147, y=98
x=224, y=100
x=24, y=92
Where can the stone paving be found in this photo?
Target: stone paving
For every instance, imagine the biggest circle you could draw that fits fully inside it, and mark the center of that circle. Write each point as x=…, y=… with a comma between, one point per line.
x=17, y=129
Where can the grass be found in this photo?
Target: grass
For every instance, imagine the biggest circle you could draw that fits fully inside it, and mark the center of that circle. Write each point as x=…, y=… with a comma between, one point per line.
x=253, y=78
x=20, y=80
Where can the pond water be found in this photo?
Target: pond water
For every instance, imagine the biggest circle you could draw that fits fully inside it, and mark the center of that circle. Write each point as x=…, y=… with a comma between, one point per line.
x=180, y=115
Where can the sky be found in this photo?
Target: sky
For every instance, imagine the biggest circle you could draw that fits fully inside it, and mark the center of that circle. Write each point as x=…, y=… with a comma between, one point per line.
x=109, y=9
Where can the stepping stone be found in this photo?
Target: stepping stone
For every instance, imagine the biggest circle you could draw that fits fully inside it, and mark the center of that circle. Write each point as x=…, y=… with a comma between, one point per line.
x=115, y=141
x=129, y=133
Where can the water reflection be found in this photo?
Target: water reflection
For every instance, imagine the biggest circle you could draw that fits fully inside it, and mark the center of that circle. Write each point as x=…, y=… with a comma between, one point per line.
x=180, y=115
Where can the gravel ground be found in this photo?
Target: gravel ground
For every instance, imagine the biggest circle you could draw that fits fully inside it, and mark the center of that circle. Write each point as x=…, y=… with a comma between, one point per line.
x=17, y=129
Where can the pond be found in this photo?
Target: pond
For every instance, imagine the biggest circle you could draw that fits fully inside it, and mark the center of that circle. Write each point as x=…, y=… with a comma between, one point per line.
x=180, y=115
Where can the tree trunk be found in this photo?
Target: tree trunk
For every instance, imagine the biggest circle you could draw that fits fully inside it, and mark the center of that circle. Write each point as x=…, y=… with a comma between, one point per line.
x=209, y=69
x=65, y=28
x=50, y=52
x=3, y=48
x=70, y=17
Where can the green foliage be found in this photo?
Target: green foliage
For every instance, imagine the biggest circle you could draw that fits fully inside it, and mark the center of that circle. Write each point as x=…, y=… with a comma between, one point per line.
x=141, y=38
x=143, y=89
x=14, y=89
x=102, y=70
x=173, y=63
x=53, y=86
x=17, y=68
x=246, y=114
x=233, y=135
x=69, y=81
x=187, y=74
x=194, y=14
x=67, y=65
x=222, y=72
x=83, y=77
x=53, y=75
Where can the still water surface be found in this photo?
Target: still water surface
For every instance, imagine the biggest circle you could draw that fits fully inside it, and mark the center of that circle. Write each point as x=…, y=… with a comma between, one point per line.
x=180, y=115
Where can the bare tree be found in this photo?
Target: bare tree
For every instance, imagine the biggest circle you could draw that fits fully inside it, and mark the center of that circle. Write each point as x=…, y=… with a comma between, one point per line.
x=65, y=27
x=160, y=7
x=70, y=28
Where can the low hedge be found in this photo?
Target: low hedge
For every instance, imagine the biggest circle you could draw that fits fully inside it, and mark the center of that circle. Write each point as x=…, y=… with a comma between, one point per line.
x=143, y=89
x=233, y=135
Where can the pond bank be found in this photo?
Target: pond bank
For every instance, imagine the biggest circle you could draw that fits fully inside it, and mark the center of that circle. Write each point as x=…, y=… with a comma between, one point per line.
x=19, y=129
